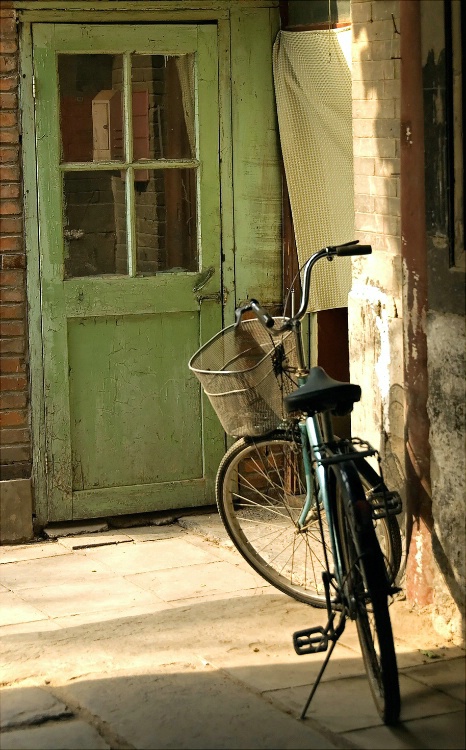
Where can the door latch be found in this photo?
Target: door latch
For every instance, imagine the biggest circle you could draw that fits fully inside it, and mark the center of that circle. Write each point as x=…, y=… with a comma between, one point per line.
x=217, y=297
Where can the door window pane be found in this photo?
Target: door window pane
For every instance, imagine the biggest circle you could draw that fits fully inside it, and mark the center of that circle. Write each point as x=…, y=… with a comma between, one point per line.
x=90, y=107
x=163, y=106
x=94, y=224
x=166, y=222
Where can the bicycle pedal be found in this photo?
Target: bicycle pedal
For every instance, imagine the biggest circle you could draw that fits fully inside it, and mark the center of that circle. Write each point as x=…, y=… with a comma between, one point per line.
x=385, y=504
x=310, y=641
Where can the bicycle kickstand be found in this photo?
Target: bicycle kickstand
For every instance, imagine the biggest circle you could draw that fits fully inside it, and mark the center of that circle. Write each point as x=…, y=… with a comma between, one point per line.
x=313, y=640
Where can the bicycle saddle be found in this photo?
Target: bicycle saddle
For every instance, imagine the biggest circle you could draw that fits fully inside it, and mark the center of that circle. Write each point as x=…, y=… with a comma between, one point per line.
x=322, y=393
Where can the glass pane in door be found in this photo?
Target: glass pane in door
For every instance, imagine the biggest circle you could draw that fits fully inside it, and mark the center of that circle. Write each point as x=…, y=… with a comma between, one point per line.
x=90, y=89
x=166, y=222
x=94, y=223
x=163, y=106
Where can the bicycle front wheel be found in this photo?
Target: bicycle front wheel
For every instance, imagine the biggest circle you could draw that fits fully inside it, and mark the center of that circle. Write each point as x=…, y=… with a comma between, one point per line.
x=368, y=583
x=260, y=493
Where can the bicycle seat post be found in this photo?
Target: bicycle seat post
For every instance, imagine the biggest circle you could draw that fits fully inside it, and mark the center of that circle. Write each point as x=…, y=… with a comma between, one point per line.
x=302, y=368
x=327, y=427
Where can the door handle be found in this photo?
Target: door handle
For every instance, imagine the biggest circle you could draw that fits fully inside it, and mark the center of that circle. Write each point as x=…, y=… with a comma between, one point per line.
x=203, y=279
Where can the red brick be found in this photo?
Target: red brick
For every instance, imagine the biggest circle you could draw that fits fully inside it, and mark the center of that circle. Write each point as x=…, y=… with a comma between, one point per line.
x=8, y=155
x=15, y=454
x=12, y=365
x=8, y=27
x=12, y=278
x=13, y=345
x=10, y=174
x=8, y=119
x=13, y=328
x=11, y=244
x=8, y=100
x=11, y=295
x=12, y=312
x=13, y=437
x=10, y=191
x=9, y=135
x=13, y=419
x=13, y=261
x=10, y=208
x=9, y=83
x=8, y=46
x=7, y=63
x=13, y=382
x=13, y=225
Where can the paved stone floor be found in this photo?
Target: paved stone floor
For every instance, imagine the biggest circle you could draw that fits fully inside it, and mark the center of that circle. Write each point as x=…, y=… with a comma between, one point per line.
x=162, y=637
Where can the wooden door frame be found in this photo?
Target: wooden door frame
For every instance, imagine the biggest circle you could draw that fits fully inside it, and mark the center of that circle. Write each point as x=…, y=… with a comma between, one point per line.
x=39, y=467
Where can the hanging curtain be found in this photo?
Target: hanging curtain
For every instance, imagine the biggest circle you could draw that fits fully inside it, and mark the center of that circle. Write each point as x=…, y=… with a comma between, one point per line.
x=312, y=77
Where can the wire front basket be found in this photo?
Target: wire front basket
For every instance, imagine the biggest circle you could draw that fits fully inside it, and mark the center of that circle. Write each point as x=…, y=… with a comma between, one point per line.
x=246, y=372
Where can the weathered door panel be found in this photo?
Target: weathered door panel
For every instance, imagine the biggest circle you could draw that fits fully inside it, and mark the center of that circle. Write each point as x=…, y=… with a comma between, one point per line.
x=126, y=428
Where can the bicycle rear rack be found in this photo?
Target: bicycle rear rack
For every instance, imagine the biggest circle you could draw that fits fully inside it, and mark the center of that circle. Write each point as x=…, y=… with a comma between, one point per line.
x=384, y=502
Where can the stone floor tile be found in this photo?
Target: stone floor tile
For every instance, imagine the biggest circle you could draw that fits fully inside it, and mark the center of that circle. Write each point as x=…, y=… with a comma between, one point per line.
x=346, y=704
x=447, y=675
x=29, y=705
x=63, y=735
x=82, y=597
x=14, y=610
x=128, y=559
x=190, y=706
x=105, y=617
x=279, y=667
x=175, y=584
x=35, y=574
x=34, y=551
x=446, y=731
x=30, y=628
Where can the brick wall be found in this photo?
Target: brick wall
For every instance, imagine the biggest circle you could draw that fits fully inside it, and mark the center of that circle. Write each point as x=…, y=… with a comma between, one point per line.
x=375, y=305
x=14, y=415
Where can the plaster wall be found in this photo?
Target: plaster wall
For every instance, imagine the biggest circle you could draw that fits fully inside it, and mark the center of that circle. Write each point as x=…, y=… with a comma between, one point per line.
x=378, y=303
x=446, y=407
x=375, y=302
x=446, y=345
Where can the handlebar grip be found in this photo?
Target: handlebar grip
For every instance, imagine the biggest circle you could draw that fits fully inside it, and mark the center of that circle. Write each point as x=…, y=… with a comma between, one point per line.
x=261, y=314
x=353, y=250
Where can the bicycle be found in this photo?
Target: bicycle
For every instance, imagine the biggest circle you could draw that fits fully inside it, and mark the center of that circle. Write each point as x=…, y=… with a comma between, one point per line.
x=305, y=508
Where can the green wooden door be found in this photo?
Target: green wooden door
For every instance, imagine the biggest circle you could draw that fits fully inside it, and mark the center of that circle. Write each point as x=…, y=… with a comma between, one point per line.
x=129, y=225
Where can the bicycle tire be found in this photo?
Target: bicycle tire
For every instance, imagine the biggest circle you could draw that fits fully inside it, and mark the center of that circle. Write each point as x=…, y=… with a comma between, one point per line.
x=369, y=590
x=289, y=559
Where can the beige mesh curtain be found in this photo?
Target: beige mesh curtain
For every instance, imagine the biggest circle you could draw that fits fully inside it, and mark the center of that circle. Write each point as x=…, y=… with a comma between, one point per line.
x=312, y=78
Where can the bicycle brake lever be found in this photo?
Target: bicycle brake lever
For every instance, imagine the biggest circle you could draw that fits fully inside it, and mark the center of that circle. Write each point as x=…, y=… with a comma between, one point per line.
x=240, y=311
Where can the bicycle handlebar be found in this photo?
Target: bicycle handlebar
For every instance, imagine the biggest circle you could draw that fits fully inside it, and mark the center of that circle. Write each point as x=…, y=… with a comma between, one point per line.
x=349, y=248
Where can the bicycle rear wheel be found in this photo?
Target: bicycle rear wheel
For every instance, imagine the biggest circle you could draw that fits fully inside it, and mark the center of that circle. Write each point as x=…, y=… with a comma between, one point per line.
x=260, y=493
x=368, y=586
